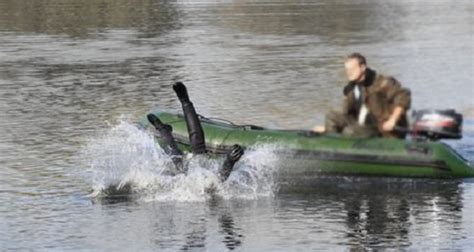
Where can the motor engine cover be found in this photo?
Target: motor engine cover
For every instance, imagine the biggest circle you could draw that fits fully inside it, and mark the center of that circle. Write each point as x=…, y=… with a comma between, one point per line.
x=437, y=124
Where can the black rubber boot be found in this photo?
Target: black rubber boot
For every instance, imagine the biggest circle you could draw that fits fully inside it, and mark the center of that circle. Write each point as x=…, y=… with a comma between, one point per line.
x=169, y=144
x=231, y=158
x=195, y=132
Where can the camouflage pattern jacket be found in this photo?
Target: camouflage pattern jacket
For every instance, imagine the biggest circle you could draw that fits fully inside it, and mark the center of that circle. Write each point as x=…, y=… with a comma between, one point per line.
x=381, y=94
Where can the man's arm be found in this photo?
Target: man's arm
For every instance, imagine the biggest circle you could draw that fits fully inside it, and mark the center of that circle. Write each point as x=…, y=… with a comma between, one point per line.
x=389, y=125
x=401, y=98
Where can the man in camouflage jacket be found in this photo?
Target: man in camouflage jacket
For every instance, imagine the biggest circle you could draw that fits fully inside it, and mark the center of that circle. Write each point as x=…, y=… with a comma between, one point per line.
x=373, y=105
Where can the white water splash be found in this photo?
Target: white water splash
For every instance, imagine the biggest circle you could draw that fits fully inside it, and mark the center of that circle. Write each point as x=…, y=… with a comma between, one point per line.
x=254, y=174
x=128, y=156
x=124, y=155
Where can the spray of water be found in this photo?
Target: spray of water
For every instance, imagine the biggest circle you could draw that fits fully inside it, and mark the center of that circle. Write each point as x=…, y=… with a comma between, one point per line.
x=127, y=157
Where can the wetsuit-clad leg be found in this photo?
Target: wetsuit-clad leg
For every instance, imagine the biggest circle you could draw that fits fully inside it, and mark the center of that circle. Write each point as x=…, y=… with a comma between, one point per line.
x=169, y=144
x=231, y=158
x=196, y=134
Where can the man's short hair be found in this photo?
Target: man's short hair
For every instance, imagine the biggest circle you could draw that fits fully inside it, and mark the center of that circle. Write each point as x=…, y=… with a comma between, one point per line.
x=359, y=57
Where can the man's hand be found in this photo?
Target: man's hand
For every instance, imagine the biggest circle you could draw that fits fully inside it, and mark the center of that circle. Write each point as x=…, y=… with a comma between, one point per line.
x=389, y=125
x=319, y=129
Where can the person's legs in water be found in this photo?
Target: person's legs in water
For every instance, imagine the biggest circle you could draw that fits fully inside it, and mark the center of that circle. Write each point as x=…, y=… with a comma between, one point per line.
x=196, y=134
x=169, y=144
x=231, y=158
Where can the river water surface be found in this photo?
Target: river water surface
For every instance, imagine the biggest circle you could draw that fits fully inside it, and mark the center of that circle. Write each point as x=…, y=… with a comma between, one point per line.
x=75, y=76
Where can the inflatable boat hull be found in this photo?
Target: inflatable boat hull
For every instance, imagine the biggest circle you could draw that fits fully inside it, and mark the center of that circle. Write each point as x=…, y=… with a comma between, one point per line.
x=302, y=153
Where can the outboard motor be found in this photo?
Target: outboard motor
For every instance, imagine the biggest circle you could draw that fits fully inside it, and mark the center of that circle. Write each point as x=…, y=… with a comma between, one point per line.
x=437, y=124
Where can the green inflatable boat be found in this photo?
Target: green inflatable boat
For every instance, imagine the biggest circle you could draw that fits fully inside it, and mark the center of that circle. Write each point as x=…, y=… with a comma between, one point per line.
x=307, y=154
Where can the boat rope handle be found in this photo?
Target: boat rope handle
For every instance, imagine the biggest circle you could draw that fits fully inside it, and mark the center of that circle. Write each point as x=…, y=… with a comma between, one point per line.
x=243, y=126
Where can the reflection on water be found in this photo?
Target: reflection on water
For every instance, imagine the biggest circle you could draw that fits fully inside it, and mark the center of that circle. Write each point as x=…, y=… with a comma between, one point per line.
x=69, y=70
x=387, y=213
x=339, y=212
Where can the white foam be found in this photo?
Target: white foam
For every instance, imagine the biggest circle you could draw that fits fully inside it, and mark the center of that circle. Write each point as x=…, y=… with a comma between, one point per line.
x=126, y=155
x=254, y=174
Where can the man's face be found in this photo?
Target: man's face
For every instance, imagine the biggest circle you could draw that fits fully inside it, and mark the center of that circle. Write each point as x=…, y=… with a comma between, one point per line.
x=354, y=70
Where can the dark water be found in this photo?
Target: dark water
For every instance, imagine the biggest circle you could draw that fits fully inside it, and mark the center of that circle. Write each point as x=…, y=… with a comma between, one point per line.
x=71, y=71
